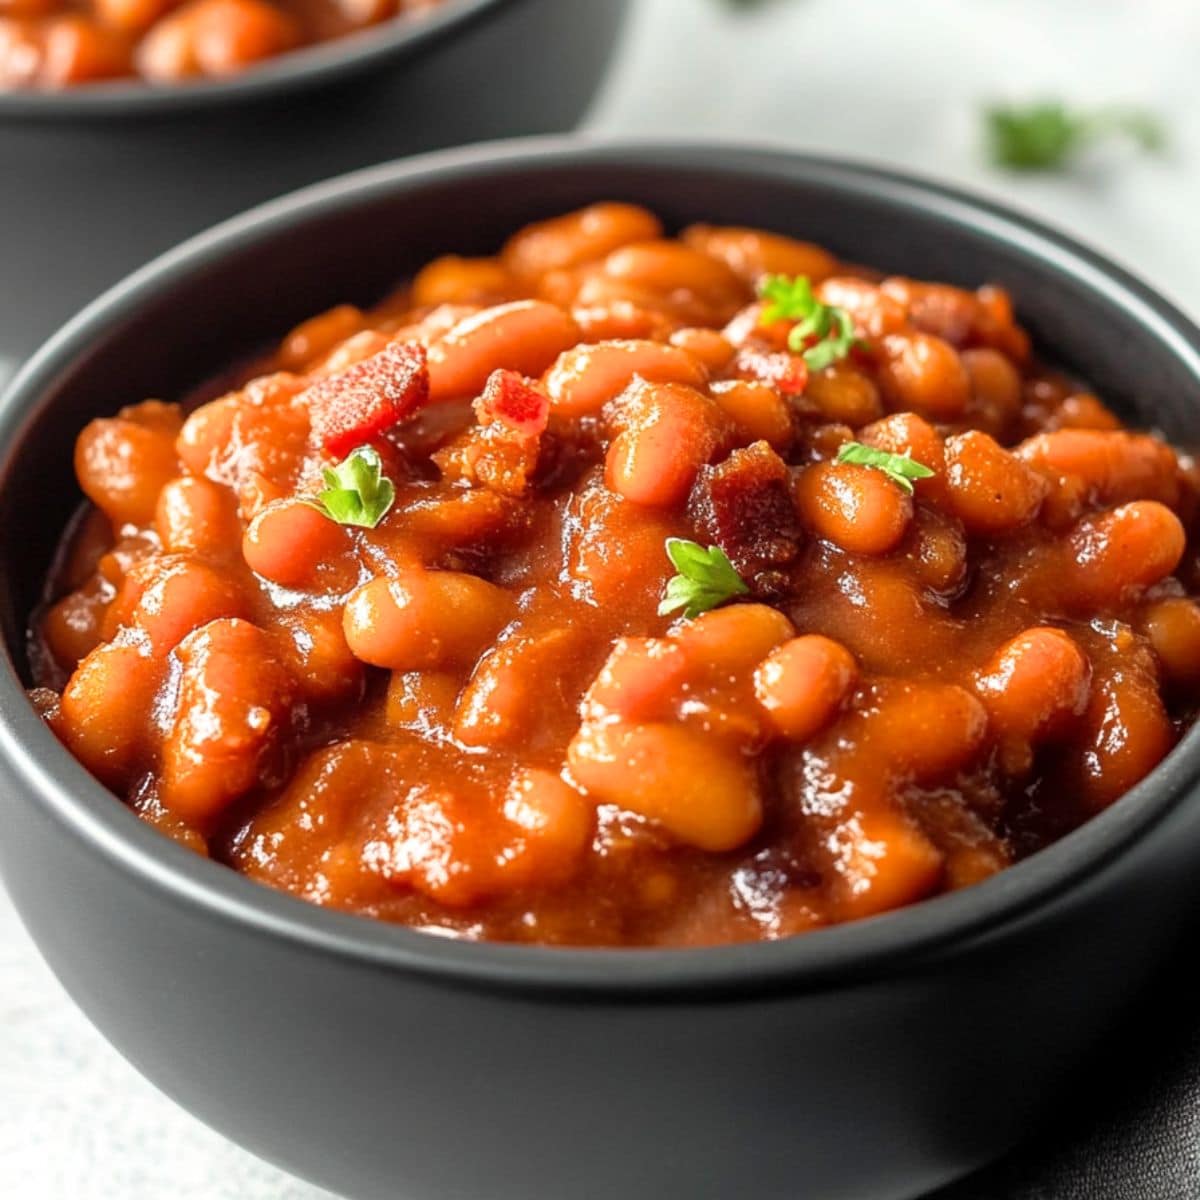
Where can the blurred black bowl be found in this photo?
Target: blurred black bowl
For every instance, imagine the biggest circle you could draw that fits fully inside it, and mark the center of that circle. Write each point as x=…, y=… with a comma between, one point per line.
x=98, y=179
x=870, y=1061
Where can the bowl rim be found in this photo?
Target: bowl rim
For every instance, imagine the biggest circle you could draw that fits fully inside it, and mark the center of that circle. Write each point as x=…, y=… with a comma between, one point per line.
x=298, y=70
x=853, y=952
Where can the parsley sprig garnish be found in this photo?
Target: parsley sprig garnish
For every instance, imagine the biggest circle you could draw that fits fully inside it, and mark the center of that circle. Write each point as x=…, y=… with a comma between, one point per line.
x=706, y=579
x=1045, y=135
x=899, y=468
x=792, y=299
x=356, y=491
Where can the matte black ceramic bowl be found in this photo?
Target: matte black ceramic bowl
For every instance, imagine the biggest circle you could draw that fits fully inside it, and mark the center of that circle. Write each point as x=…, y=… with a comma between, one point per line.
x=867, y=1062
x=96, y=180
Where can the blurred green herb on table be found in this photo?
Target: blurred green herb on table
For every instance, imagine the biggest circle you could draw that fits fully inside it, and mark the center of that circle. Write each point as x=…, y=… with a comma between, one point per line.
x=1048, y=135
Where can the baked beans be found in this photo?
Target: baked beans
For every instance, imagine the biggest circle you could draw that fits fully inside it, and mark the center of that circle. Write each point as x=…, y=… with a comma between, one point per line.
x=627, y=589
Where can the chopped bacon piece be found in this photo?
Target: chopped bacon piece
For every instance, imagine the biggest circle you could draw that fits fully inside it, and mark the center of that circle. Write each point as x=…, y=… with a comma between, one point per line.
x=744, y=505
x=369, y=398
x=502, y=451
x=787, y=372
x=512, y=400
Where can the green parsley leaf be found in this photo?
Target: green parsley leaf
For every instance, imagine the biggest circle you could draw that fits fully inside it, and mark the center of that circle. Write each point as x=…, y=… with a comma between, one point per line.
x=899, y=468
x=1045, y=135
x=793, y=300
x=706, y=579
x=356, y=491
x=786, y=299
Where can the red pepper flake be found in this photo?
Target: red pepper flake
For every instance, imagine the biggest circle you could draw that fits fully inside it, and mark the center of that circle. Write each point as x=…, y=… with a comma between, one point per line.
x=366, y=400
x=787, y=372
x=513, y=400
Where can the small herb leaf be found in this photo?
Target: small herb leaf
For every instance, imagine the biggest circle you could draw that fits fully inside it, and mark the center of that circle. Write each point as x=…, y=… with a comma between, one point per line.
x=787, y=299
x=1045, y=135
x=356, y=491
x=899, y=468
x=792, y=299
x=706, y=579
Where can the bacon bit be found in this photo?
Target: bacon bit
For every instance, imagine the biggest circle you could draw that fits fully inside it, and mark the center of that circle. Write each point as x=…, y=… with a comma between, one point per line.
x=787, y=372
x=512, y=400
x=744, y=506
x=369, y=398
x=501, y=452
x=485, y=459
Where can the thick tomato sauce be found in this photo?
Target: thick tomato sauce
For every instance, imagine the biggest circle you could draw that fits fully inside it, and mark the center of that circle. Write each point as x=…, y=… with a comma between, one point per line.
x=64, y=43
x=472, y=718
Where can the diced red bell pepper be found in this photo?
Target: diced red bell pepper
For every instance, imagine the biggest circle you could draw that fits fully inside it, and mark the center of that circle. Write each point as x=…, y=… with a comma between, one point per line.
x=366, y=400
x=787, y=372
x=513, y=400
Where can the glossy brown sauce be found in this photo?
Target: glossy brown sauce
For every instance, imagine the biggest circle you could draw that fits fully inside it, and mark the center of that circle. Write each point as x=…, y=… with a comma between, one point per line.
x=472, y=718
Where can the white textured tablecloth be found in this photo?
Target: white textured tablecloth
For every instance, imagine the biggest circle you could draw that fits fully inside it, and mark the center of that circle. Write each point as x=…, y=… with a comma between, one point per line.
x=898, y=83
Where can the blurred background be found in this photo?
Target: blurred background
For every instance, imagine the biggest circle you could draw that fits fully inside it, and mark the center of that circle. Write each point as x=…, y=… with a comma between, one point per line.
x=907, y=84
x=901, y=84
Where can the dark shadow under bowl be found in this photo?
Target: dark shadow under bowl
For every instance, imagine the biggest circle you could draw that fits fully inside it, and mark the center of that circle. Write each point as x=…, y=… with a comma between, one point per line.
x=866, y=1062
x=99, y=179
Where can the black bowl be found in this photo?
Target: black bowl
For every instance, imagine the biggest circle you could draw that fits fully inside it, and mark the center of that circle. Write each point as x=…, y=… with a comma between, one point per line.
x=100, y=178
x=867, y=1062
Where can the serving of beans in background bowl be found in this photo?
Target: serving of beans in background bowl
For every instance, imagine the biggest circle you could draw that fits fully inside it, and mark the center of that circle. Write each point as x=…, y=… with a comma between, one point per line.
x=211, y=110
x=45, y=44
x=740, y=603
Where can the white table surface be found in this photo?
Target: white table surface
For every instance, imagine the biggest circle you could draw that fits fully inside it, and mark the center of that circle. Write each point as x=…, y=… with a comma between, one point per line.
x=874, y=79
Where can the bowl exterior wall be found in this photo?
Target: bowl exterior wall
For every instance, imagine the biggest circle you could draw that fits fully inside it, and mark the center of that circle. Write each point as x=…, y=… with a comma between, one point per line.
x=375, y=1084
x=381, y=1081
